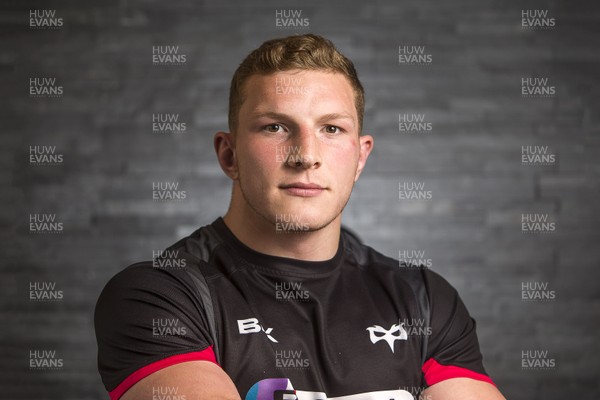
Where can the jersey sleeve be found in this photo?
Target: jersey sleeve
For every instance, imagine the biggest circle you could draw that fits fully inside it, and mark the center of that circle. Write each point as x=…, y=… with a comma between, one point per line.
x=453, y=348
x=147, y=319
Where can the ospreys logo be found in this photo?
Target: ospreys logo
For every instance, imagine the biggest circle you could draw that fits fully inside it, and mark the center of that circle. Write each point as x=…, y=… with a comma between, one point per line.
x=377, y=333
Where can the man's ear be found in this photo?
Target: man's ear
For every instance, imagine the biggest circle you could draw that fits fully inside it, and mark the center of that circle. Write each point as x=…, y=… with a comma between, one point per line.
x=224, y=143
x=366, y=145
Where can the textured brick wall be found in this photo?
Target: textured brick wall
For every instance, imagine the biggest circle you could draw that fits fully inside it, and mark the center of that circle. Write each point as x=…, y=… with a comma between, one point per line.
x=470, y=160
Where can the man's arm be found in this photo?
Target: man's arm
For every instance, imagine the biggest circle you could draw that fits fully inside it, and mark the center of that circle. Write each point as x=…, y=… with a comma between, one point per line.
x=197, y=380
x=462, y=389
x=453, y=369
x=134, y=359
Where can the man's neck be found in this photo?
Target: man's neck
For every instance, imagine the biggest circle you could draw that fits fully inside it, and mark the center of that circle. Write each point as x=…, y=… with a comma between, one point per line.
x=261, y=236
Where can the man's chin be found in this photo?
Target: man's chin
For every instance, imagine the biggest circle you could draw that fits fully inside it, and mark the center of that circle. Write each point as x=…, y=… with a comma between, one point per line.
x=290, y=222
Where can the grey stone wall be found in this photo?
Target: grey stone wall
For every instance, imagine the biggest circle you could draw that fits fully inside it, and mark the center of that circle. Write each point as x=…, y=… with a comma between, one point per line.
x=466, y=159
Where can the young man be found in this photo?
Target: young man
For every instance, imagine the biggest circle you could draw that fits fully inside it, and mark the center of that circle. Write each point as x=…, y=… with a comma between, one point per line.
x=276, y=300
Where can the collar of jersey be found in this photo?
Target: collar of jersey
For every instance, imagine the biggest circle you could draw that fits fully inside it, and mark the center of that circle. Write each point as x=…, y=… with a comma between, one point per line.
x=278, y=265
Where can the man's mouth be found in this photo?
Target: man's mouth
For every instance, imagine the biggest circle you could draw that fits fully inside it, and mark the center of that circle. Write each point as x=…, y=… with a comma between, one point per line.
x=303, y=189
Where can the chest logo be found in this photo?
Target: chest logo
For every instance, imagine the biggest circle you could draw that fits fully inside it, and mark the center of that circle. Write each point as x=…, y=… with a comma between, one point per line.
x=396, y=332
x=251, y=325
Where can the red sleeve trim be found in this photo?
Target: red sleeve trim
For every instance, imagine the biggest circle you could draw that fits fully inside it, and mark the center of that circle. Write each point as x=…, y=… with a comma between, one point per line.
x=206, y=354
x=435, y=372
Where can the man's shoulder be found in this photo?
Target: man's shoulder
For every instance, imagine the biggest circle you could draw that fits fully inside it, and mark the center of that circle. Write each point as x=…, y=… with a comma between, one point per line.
x=367, y=258
x=188, y=257
x=198, y=246
x=364, y=255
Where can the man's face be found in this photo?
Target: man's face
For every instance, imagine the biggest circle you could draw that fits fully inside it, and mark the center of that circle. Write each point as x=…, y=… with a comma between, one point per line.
x=297, y=147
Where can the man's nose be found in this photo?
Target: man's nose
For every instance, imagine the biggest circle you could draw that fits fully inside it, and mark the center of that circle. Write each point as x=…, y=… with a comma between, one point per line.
x=306, y=152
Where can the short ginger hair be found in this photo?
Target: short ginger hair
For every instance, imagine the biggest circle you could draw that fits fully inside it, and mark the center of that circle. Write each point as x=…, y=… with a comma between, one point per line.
x=303, y=52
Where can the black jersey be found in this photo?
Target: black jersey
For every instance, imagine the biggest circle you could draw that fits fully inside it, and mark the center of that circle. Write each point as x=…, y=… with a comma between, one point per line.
x=357, y=324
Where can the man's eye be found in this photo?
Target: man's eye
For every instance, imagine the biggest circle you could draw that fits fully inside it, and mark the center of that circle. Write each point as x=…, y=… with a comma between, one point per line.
x=332, y=129
x=272, y=128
